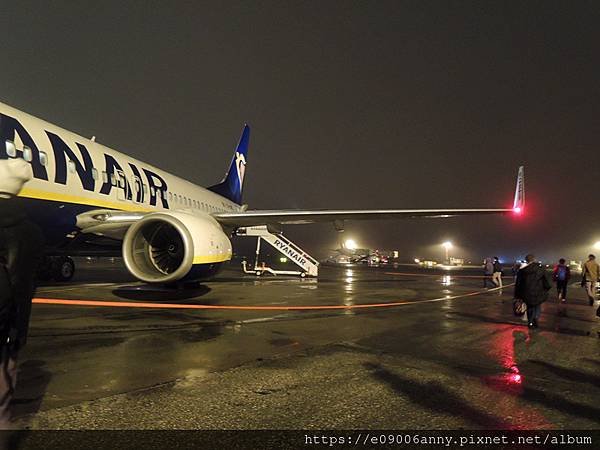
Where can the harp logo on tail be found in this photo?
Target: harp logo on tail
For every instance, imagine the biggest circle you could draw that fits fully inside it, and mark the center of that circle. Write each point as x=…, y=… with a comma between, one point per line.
x=240, y=164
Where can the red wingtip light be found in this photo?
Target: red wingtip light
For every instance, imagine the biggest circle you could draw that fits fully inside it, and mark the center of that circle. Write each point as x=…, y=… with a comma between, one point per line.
x=517, y=210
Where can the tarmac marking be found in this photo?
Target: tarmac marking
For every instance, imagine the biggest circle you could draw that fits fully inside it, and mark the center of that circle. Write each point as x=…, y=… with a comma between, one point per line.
x=75, y=288
x=440, y=275
x=55, y=301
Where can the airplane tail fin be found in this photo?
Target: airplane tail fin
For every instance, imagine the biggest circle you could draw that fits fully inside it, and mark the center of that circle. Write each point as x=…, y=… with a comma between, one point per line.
x=231, y=186
x=519, y=203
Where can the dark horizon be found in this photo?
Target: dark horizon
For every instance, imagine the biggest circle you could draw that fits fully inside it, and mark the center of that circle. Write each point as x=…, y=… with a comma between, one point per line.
x=352, y=105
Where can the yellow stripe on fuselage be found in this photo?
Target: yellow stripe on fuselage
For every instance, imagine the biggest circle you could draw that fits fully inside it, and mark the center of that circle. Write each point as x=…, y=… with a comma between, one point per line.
x=63, y=198
x=51, y=196
x=212, y=259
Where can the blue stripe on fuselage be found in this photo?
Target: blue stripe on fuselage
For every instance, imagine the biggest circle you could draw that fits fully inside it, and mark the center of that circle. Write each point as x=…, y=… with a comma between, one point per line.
x=56, y=219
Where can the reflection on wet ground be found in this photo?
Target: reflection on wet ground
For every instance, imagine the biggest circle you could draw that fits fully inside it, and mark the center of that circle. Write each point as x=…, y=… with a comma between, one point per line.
x=463, y=360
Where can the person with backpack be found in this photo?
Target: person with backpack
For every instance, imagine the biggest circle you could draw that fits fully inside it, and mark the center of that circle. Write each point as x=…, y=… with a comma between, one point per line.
x=561, y=276
x=532, y=287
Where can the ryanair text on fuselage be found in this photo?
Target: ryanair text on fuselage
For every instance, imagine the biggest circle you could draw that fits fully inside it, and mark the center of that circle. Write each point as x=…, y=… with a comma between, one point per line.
x=112, y=176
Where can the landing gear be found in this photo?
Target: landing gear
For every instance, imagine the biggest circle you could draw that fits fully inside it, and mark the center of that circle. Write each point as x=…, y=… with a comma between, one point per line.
x=64, y=269
x=58, y=268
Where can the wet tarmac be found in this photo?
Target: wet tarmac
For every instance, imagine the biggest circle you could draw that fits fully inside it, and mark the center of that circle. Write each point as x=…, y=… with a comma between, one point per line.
x=448, y=355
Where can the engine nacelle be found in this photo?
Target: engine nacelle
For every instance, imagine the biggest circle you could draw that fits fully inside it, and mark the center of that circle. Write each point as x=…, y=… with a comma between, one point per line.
x=167, y=247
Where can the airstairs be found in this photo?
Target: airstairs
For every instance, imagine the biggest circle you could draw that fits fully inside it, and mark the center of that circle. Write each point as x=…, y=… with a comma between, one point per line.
x=309, y=265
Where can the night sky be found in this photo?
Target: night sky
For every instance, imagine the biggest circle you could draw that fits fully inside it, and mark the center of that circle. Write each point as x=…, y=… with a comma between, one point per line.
x=352, y=104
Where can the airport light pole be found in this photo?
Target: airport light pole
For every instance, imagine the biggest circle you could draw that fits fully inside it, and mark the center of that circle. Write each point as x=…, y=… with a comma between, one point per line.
x=447, y=246
x=350, y=244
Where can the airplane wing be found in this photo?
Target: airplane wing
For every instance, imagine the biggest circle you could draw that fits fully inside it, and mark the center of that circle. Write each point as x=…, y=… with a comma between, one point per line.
x=291, y=216
x=107, y=222
x=114, y=224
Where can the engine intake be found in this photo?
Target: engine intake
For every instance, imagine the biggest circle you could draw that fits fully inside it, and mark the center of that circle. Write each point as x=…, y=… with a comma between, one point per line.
x=158, y=249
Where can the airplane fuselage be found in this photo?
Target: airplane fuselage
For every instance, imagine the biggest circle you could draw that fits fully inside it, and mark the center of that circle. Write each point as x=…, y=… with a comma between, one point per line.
x=73, y=174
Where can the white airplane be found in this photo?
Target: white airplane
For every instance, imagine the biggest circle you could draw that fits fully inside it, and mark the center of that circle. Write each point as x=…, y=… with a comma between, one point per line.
x=85, y=196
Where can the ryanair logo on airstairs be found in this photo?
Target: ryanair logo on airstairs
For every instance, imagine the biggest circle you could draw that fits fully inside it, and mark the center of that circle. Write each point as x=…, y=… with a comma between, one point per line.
x=286, y=249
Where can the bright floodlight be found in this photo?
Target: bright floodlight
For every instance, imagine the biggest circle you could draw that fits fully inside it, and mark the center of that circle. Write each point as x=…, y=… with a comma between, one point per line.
x=597, y=245
x=447, y=245
x=350, y=244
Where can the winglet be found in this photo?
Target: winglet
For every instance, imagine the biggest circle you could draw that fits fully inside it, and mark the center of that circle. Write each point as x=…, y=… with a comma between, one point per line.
x=519, y=203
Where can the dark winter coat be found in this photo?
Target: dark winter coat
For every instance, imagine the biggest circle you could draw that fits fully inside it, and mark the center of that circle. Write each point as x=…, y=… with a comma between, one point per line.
x=532, y=284
x=488, y=267
x=11, y=212
x=21, y=242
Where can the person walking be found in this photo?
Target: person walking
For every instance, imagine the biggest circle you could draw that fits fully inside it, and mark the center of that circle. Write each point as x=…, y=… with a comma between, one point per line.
x=561, y=276
x=532, y=287
x=591, y=275
x=488, y=272
x=497, y=274
x=20, y=251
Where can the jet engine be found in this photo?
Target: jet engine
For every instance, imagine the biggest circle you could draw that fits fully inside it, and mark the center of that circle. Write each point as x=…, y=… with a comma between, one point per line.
x=168, y=247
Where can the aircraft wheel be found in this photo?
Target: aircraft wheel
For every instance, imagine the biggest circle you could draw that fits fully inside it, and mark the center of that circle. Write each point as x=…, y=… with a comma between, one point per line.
x=64, y=269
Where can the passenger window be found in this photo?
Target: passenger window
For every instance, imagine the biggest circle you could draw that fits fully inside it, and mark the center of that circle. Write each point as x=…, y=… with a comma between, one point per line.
x=11, y=150
x=145, y=188
x=70, y=165
x=104, y=177
x=113, y=179
x=27, y=154
x=94, y=173
x=43, y=159
x=170, y=196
